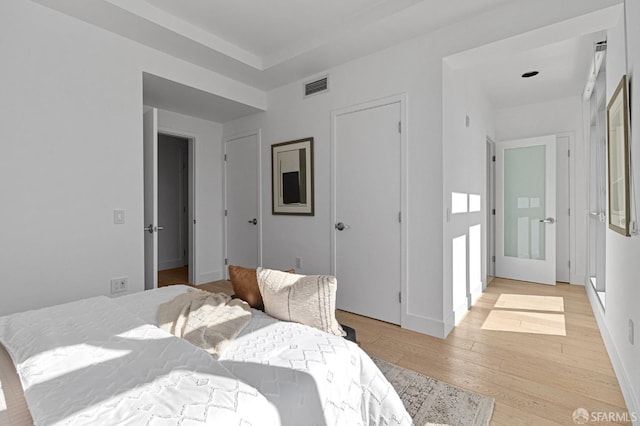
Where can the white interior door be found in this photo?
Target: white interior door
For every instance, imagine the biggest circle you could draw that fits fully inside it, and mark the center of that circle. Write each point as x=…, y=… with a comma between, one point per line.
x=526, y=210
x=242, y=201
x=367, y=149
x=150, y=136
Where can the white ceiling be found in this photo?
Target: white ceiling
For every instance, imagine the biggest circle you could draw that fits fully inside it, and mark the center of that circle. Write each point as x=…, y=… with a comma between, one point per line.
x=269, y=43
x=563, y=68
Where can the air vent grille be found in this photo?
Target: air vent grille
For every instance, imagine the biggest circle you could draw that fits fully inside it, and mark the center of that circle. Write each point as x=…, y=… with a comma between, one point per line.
x=317, y=86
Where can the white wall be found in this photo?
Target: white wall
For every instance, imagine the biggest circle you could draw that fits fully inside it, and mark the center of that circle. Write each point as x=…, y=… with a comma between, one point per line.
x=71, y=108
x=209, y=209
x=291, y=117
x=561, y=116
x=623, y=290
x=464, y=159
x=415, y=68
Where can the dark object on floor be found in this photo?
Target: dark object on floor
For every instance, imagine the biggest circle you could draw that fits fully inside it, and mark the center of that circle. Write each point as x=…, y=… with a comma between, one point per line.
x=351, y=333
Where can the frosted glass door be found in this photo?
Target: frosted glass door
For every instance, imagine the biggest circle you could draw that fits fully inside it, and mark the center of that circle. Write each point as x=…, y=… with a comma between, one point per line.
x=526, y=210
x=524, y=202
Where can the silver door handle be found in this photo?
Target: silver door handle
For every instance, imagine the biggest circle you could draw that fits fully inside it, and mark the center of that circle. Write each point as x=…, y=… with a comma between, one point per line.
x=548, y=220
x=151, y=229
x=254, y=221
x=341, y=226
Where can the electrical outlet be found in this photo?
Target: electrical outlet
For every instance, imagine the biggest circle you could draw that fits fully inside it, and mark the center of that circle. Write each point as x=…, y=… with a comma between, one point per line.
x=631, y=335
x=119, y=285
x=299, y=262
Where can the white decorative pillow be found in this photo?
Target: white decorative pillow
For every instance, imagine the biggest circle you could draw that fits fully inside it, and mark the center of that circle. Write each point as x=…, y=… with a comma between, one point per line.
x=309, y=300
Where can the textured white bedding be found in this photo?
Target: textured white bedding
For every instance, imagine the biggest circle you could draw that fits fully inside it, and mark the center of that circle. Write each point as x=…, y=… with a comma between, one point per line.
x=306, y=373
x=92, y=362
x=103, y=361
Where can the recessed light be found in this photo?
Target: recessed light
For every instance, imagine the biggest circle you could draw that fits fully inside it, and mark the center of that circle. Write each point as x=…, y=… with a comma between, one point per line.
x=530, y=74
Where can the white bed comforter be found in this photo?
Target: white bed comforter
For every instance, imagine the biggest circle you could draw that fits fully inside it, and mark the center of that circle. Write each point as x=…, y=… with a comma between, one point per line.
x=103, y=361
x=92, y=362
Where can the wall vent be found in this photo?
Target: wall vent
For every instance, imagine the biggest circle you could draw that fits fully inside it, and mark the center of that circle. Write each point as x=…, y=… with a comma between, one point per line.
x=317, y=86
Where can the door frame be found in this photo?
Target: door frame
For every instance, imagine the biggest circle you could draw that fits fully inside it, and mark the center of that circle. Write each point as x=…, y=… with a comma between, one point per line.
x=192, y=147
x=490, y=197
x=404, y=177
x=225, y=233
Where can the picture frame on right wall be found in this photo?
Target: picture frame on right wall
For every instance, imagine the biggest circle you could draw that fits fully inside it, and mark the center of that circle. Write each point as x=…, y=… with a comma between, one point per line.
x=618, y=159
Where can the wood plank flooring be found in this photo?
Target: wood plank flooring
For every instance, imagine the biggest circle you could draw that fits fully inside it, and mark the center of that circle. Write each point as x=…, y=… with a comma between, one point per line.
x=538, y=374
x=173, y=276
x=536, y=378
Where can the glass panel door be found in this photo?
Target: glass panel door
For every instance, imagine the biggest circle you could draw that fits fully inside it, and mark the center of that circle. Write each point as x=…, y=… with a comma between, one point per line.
x=524, y=202
x=526, y=209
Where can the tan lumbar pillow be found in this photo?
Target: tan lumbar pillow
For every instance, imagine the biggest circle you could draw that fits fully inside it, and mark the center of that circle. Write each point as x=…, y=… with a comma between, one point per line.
x=309, y=300
x=245, y=285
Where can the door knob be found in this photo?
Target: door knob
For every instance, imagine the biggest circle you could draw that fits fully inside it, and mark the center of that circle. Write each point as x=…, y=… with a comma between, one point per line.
x=254, y=221
x=151, y=229
x=548, y=220
x=341, y=226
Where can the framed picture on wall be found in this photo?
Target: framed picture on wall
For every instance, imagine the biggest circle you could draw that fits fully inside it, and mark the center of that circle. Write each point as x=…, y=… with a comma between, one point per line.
x=618, y=154
x=292, y=177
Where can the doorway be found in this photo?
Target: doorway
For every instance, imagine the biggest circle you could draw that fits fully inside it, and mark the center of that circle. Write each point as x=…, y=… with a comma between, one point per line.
x=368, y=200
x=173, y=209
x=152, y=226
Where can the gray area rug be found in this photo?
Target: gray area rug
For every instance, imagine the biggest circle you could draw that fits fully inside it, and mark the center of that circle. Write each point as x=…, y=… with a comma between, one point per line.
x=432, y=402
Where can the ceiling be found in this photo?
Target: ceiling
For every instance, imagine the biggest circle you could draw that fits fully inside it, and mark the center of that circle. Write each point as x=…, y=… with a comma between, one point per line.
x=563, y=68
x=266, y=44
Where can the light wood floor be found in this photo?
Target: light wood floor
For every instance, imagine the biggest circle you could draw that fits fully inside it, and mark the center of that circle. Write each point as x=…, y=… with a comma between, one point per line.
x=539, y=373
x=536, y=379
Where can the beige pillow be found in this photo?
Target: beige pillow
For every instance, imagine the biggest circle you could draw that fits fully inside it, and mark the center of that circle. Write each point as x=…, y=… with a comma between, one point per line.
x=309, y=300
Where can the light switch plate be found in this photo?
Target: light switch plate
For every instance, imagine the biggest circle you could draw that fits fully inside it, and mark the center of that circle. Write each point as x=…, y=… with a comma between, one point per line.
x=118, y=217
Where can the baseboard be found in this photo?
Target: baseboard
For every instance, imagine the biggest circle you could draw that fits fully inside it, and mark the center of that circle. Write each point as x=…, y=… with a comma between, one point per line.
x=460, y=311
x=630, y=398
x=425, y=325
x=207, y=277
x=170, y=264
x=475, y=294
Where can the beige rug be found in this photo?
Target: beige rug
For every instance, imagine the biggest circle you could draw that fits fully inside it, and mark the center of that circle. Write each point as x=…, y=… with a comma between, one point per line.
x=432, y=402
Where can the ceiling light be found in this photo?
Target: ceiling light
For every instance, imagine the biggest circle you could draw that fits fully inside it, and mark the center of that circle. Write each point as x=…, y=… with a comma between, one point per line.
x=530, y=74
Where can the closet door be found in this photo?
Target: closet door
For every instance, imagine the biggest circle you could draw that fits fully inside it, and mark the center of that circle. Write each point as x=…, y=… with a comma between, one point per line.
x=367, y=156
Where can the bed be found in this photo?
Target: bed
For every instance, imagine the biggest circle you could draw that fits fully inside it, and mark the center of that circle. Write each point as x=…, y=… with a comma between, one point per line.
x=105, y=361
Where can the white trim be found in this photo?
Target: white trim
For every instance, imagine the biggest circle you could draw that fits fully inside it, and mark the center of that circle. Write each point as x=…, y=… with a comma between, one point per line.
x=630, y=398
x=258, y=134
x=402, y=99
x=461, y=310
x=430, y=326
x=192, y=143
